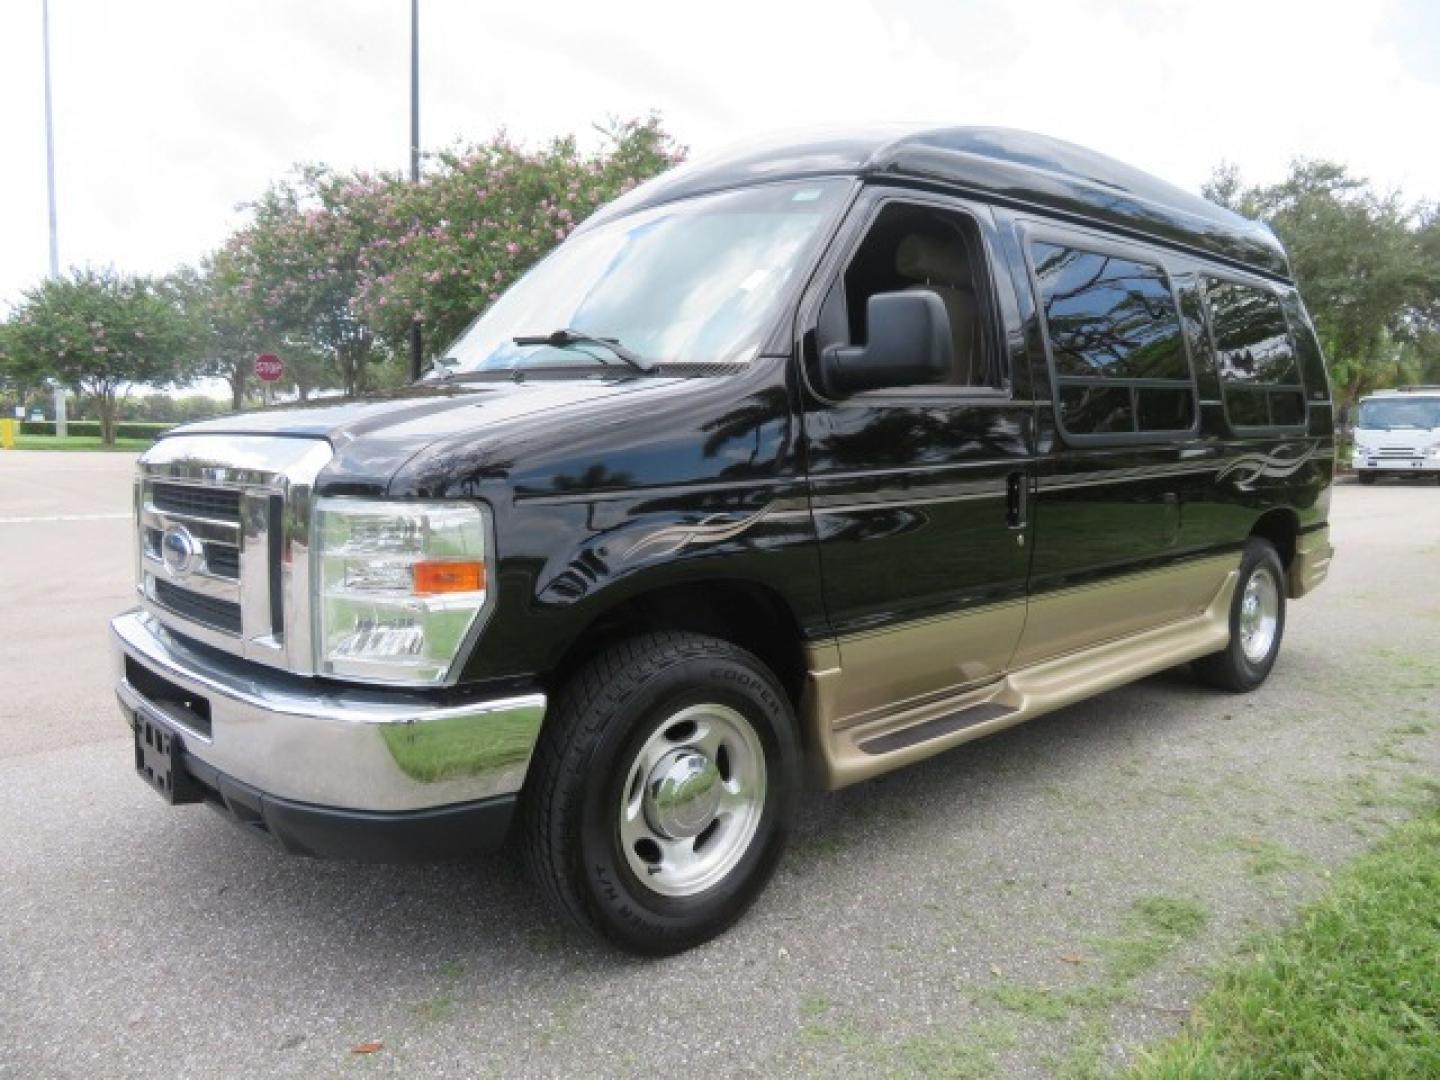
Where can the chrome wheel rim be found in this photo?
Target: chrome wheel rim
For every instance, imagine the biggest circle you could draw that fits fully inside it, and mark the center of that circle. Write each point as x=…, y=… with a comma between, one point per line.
x=1259, y=614
x=692, y=800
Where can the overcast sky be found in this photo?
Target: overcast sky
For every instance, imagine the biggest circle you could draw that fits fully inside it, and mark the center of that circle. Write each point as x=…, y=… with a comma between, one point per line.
x=168, y=113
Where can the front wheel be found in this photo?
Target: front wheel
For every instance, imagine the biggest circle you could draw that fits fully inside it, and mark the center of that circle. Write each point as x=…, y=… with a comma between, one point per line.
x=662, y=791
x=1257, y=623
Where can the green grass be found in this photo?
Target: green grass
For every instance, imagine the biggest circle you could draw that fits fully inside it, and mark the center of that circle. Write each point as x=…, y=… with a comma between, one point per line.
x=941, y=1056
x=814, y=1005
x=961, y=1055
x=1043, y=1004
x=1150, y=931
x=1352, y=990
x=1415, y=727
x=1086, y=1060
x=1171, y=917
x=1265, y=859
x=78, y=442
x=1153, y=928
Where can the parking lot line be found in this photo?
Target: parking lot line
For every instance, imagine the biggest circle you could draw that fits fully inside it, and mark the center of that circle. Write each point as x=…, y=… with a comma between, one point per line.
x=62, y=517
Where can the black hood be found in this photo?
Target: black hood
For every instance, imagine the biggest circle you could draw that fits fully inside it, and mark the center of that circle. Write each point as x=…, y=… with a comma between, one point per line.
x=374, y=436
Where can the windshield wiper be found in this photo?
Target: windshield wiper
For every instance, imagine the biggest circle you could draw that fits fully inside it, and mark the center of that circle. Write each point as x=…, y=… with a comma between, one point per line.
x=566, y=338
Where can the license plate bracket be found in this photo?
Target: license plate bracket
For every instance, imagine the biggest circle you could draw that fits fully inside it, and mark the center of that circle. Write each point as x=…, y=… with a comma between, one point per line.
x=159, y=759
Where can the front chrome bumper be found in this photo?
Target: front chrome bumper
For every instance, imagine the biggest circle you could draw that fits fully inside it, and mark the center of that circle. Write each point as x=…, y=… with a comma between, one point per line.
x=1418, y=463
x=314, y=743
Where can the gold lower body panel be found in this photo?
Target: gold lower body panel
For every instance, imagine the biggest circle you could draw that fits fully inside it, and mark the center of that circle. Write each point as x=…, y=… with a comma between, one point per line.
x=1061, y=648
x=1311, y=564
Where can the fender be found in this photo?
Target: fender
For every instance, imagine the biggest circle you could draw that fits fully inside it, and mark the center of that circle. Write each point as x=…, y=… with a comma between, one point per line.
x=681, y=481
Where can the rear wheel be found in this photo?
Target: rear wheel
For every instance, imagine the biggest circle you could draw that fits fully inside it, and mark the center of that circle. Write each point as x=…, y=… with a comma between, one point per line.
x=1257, y=623
x=662, y=791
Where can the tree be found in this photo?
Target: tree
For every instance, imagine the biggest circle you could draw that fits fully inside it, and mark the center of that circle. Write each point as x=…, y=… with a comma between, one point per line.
x=235, y=326
x=100, y=332
x=484, y=214
x=228, y=330
x=298, y=265
x=14, y=385
x=340, y=266
x=1367, y=265
x=307, y=369
x=1225, y=188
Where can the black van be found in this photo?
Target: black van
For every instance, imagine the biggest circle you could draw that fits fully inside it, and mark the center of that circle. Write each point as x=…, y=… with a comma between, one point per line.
x=810, y=461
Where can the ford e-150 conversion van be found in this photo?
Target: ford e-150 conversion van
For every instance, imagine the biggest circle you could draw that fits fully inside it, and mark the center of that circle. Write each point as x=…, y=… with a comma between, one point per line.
x=1397, y=433
x=813, y=460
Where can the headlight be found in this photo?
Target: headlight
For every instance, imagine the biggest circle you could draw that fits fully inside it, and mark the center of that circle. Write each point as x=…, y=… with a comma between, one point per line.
x=399, y=586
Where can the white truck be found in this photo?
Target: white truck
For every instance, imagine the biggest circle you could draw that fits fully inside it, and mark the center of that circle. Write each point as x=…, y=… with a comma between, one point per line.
x=1398, y=432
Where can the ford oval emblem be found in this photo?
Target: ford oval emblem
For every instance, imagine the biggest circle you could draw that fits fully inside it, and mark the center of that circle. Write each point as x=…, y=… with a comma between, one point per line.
x=178, y=550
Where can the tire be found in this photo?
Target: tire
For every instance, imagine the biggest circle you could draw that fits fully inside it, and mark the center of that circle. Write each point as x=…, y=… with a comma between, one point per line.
x=662, y=792
x=1256, y=629
x=1366, y=477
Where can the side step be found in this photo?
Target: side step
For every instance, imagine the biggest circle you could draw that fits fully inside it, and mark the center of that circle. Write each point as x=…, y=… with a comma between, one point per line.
x=937, y=728
x=850, y=754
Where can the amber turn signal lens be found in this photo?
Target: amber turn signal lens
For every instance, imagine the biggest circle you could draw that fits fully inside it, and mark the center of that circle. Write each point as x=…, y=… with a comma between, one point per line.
x=448, y=577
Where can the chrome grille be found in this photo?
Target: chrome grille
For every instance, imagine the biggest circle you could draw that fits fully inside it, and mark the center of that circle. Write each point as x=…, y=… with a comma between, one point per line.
x=224, y=525
x=216, y=504
x=223, y=561
x=219, y=614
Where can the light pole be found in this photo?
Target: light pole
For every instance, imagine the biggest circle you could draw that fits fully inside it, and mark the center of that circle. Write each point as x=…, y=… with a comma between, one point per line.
x=49, y=141
x=416, y=349
x=60, y=425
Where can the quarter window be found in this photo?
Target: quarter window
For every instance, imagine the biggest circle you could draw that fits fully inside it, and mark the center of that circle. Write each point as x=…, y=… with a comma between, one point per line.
x=1119, y=356
x=1255, y=356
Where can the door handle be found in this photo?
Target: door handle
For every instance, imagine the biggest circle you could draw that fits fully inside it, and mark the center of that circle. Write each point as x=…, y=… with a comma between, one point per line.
x=1015, y=500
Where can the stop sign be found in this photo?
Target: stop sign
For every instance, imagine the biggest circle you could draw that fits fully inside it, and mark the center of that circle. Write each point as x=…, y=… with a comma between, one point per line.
x=269, y=367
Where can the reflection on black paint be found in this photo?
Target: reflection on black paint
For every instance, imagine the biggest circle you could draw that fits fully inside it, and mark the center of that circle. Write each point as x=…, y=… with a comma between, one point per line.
x=1255, y=356
x=1096, y=410
x=759, y=422
x=1111, y=323
x=1251, y=336
x=1165, y=410
x=1108, y=316
x=595, y=477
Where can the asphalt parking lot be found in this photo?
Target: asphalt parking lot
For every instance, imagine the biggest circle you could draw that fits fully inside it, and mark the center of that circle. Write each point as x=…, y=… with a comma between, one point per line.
x=1038, y=904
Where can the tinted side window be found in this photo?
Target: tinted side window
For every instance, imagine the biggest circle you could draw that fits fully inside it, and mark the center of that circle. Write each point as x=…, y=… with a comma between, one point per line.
x=1115, y=342
x=1252, y=339
x=1109, y=316
x=1097, y=410
x=1166, y=410
x=1254, y=356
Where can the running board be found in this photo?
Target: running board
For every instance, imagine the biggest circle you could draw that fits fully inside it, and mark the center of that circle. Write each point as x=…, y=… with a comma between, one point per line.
x=937, y=728
x=851, y=754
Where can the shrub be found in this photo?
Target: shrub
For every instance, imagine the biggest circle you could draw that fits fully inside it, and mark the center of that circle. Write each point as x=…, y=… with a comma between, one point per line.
x=91, y=428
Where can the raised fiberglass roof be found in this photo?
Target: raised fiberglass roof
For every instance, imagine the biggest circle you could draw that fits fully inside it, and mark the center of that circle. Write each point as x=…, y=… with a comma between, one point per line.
x=1014, y=168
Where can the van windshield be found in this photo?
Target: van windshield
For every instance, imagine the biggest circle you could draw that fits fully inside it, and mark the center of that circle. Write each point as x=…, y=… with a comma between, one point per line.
x=1398, y=412
x=696, y=281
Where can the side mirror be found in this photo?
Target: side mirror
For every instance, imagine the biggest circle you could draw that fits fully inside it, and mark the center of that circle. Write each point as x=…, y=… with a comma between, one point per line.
x=910, y=344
